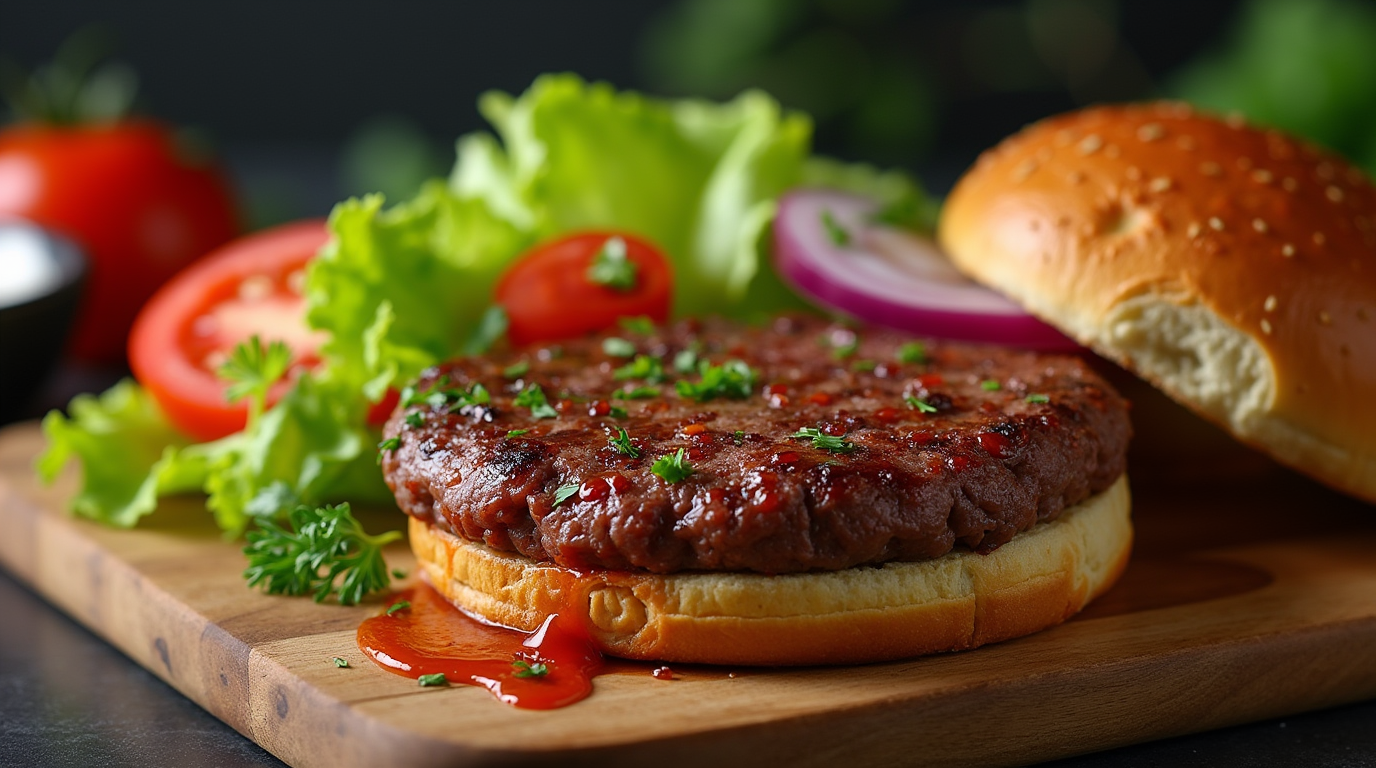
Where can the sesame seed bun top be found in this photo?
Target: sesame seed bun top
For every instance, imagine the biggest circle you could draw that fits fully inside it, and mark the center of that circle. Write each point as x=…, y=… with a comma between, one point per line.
x=1233, y=267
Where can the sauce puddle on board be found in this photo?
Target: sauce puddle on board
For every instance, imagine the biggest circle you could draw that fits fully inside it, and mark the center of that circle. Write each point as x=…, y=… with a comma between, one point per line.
x=432, y=636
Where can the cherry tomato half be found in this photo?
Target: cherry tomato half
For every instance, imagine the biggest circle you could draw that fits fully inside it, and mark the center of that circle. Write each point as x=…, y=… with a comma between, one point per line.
x=548, y=294
x=141, y=207
x=251, y=286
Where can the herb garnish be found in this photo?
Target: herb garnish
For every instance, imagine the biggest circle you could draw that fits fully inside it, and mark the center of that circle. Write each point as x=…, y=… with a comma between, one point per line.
x=526, y=669
x=617, y=412
x=317, y=547
x=1038, y=398
x=623, y=445
x=252, y=369
x=427, y=681
x=397, y=573
x=415, y=419
x=398, y=606
x=738, y=436
x=912, y=352
x=839, y=235
x=673, y=467
x=643, y=367
x=864, y=366
x=990, y=385
x=921, y=405
x=639, y=324
x=636, y=393
x=516, y=432
x=824, y=441
x=686, y=360
x=846, y=350
x=438, y=397
x=390, y=445
x=533, y=397
x=564, y=492
x=611, y=268
x=516, y=370
x=341, y=663
x=617, y=347
x=732, y=379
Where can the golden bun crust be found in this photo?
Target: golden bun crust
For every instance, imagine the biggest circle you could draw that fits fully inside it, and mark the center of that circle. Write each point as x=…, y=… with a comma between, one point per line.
x=1232, y=267
x=896, y=610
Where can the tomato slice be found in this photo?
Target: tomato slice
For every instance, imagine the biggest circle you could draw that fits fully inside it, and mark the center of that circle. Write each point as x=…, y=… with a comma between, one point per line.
x=250, y=286
x=548, y=294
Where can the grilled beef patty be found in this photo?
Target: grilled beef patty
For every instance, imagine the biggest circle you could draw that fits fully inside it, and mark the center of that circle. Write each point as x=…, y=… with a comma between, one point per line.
x=808, y=446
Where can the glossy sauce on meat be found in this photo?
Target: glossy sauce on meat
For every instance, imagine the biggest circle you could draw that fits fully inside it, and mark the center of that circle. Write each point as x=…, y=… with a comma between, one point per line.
x=843, y=447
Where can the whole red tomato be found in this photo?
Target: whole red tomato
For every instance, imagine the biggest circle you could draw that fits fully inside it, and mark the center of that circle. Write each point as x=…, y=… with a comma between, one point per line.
x=141, y=208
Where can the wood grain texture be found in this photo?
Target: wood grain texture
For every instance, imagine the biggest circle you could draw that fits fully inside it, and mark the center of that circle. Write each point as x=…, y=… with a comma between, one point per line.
x=1248, y=598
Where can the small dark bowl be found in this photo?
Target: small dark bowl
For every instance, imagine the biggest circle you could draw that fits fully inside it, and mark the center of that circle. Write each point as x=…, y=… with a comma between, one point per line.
x=33, y=328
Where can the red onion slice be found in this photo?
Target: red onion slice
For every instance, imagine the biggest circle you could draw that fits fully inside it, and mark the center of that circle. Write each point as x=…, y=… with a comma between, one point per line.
x=829, y=248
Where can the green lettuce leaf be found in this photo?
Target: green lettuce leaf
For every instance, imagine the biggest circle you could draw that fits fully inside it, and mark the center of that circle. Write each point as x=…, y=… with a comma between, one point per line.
x=128, y=452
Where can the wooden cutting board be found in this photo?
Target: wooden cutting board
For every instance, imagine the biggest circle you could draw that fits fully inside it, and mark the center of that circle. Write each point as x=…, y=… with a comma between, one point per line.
x=1252, y=594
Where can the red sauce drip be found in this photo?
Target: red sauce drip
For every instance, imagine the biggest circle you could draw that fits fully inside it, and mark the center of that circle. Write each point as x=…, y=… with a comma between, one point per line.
x=996, y=445
x=887, y=415
x=599, y=408
x=662, y=673
x=784, y=457
x=694, y=429
x=930, y=380
x=778, y=401
x=433, y=636
x=820, y=398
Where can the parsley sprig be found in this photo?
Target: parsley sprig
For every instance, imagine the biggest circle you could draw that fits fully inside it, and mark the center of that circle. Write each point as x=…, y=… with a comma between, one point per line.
x=623, y=445
x=918, y=403
x=651, y=369
x=252, y=369
x=823, y=441
x=438, y=396
x=611, y=268
x=732, y=379
x=525, y=669
x=533, y=397
x=320, y=550
x=672, y=467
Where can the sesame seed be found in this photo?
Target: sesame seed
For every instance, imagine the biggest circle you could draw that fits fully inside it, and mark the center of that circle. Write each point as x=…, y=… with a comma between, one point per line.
x=1090, y=144
x=1044, y=155
x=1111, y=150
x=255, y=288
x=1334, y=193
x=1024, y=169
x=1290, y=184
x=1064, y=138
x=1262, y=176
x=1216, y=223
x=1210, y=169
x=1259, y=225
x=1270, y=305
x=1159, y=184
x=1133, y=173
x=1319, y=239
x=1150, y=132
x=1186, y=143
x=1194, y=230
x=1266, y=326
x=1325, y=318
x=1287, y=250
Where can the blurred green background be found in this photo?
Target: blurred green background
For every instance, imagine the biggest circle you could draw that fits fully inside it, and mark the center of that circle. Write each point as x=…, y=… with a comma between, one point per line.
x=313, y=102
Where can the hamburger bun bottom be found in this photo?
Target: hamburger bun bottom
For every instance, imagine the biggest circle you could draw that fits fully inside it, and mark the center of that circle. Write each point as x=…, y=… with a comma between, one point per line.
x=863, y=614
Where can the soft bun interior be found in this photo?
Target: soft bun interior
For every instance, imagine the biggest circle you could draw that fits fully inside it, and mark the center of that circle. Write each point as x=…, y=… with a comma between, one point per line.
x=889, y=611
x=1232, y=267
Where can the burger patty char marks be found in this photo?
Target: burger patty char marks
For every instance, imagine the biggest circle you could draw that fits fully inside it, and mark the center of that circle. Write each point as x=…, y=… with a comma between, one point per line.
x=809, y=445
